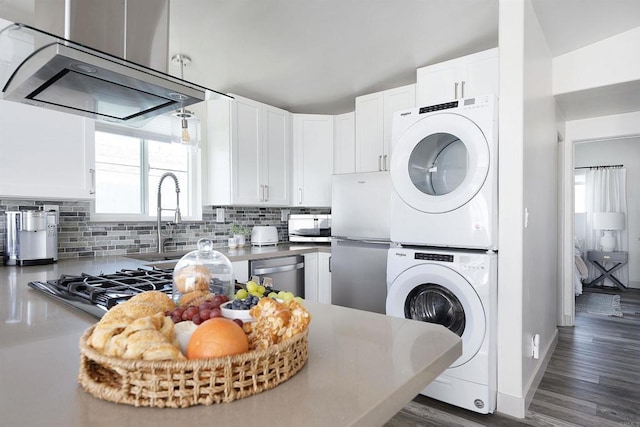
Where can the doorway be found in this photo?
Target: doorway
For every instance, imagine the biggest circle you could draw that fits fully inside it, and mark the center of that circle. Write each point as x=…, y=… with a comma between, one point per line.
x=623, y=127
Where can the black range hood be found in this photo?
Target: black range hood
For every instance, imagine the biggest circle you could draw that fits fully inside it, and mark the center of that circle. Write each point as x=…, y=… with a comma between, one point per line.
x=52, y=72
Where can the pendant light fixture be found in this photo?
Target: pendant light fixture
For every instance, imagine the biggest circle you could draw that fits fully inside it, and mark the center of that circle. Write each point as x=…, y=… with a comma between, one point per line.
x=185, y=126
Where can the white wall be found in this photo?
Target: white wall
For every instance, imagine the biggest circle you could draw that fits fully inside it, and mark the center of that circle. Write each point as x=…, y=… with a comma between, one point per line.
x=527, y=272
x=624, y=151
x=610, y=61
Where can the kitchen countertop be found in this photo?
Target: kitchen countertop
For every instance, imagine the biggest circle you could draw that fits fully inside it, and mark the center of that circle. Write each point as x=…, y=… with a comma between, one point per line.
x=362, y=367
x=244, y=253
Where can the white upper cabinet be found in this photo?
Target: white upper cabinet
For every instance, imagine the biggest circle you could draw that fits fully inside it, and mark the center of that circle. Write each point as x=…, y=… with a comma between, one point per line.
x=248, y=151
x=463, y=77
x=374, y=119
x=312, y=159
x=45, y=154
x=344, y=143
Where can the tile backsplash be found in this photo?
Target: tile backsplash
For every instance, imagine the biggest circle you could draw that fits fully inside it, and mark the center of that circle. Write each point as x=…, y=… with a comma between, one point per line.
x=78, y=236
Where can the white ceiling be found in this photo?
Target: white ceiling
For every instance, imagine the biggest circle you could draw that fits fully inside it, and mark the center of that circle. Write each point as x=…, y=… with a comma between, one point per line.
x=315, y=56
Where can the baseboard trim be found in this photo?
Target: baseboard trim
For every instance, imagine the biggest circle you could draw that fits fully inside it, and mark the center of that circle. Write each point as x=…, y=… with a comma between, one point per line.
x=516, y=406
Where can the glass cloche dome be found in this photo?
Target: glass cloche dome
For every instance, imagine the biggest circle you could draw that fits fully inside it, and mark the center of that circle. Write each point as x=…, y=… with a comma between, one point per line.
x=201, y=272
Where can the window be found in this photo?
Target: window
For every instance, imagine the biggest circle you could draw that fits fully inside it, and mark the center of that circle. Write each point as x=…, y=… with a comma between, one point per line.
x=129, y=163
x=580, y=205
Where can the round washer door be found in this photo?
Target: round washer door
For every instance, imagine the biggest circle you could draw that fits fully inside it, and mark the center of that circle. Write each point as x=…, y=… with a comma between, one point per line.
x=440, y=163
x=437, y=294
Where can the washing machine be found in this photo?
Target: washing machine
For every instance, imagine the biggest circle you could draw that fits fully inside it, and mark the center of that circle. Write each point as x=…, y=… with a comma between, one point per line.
x=458, y=290
x=445, y=175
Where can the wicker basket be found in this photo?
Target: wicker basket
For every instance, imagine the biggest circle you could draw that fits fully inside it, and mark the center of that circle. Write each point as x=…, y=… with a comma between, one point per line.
x=184, y=383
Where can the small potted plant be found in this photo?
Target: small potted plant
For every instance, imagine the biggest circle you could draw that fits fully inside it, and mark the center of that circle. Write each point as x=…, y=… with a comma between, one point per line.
x=239, y=233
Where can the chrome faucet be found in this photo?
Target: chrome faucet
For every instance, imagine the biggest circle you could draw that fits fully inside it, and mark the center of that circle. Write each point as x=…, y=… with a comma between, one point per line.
x=163, y=238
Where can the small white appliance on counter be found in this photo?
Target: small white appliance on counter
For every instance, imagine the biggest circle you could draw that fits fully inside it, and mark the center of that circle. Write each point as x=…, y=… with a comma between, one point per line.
x=310, y=228
x=31, y=238
x=264, y=235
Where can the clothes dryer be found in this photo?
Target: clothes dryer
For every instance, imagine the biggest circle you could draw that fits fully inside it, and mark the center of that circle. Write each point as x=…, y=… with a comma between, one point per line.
x=456, y=289
x=445, y=175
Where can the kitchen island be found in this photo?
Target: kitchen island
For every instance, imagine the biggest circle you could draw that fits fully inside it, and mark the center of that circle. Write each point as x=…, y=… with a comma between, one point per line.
x=362, y=367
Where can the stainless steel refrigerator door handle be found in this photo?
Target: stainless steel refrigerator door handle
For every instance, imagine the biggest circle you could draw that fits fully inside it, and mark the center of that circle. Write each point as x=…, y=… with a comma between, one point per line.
x=462, y=89
x=280, y=269
x=92, y=189
x=384, y=162
x=455, y=93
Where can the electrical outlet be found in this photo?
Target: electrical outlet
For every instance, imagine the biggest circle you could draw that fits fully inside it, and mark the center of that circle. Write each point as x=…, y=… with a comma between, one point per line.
x=220, y=215
x=284, y=214
x=535, y=352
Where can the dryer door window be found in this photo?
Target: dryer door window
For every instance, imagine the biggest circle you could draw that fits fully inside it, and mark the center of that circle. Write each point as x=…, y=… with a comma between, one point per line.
x=435, y=304
x=440, y=163
x=439, y=294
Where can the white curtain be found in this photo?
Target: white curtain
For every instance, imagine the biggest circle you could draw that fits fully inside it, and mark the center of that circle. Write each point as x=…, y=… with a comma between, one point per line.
x=605, y=191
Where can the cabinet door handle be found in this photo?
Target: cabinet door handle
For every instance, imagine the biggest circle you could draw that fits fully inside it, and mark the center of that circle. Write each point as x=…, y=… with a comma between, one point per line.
x=266, y=193
x=384, y=162
x=261, y=197
x=299, y=195
x=329, y=263
x=462, y=89
x=380, y=162
x=92, y=189
x=455, y=92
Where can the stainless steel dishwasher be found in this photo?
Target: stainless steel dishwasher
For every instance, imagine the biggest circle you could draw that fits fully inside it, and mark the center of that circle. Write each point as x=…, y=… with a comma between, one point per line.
x=287, y=272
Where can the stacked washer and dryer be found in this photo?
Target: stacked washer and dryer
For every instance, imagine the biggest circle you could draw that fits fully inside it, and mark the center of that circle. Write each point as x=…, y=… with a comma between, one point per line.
x=444, y=222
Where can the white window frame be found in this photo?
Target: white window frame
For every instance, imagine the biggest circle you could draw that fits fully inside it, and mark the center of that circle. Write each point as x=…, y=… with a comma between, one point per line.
x=194, y=172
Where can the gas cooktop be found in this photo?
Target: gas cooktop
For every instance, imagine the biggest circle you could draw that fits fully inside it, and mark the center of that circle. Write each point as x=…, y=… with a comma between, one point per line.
x=97, y=294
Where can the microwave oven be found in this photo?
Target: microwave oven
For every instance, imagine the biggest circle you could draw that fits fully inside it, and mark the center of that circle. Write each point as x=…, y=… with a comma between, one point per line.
x=310, y=228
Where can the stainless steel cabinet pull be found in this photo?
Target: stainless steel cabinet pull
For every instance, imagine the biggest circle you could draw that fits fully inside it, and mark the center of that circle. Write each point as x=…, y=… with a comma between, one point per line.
x=261, y=193
x=384, y=162
x=462, y=89
x=92, y=190
x=329, y=263
x=300, y=195
x=266, y=192
x=455, y=93
x=380, y=162
x=281, y=269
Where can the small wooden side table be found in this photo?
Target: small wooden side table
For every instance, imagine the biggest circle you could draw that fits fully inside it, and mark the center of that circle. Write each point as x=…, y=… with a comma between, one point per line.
x=599, y=258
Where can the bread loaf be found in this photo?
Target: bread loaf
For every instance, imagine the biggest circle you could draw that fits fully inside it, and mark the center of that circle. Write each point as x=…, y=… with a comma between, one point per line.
x=192, y=278
x=138, y=329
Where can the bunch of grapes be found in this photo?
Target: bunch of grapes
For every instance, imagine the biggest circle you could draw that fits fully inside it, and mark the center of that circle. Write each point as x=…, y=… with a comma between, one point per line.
x=199, y=313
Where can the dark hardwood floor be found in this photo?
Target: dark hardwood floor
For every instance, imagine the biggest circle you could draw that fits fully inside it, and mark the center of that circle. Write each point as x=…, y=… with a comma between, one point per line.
x=593, y=379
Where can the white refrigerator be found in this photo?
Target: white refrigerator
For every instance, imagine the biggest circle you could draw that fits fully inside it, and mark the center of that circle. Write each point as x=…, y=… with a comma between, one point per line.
x=360, y=240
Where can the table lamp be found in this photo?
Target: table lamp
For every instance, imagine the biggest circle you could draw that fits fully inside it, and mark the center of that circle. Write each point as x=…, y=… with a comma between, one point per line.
x=608, y=222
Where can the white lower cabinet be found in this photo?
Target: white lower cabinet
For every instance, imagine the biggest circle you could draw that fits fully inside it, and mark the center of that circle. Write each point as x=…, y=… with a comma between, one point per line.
x=241, y=271
x=311, y=277
x=45, y=154
x=324, y=278
x=317, y=277
x=312, y=159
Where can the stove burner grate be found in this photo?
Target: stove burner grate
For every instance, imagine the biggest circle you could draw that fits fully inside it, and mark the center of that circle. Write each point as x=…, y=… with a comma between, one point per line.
x=108, y=290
